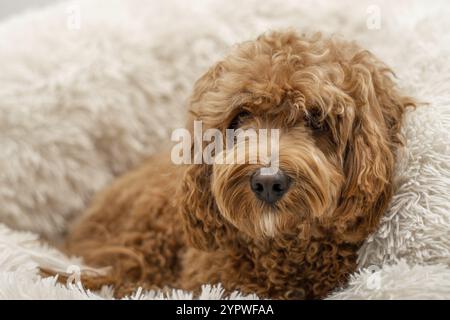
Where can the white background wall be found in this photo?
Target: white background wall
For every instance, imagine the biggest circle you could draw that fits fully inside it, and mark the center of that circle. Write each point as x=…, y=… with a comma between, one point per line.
x=10, y=7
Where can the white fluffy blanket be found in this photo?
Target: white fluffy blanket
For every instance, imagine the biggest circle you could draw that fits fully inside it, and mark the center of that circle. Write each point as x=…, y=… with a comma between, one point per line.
x=79, y=106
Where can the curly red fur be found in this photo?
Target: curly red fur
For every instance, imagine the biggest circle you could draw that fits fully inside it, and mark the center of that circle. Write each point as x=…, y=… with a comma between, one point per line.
x=340, y=114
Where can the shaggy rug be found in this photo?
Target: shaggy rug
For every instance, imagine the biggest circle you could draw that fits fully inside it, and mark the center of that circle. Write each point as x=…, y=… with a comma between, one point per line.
x=90, y=88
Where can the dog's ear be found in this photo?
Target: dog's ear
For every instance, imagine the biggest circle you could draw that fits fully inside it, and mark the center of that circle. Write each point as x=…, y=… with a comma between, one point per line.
x=369, y=151
x=207, y=82
x=204, y=226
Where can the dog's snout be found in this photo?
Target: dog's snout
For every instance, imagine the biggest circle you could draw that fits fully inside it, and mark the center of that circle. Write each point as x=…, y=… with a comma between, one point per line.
x=269, y=187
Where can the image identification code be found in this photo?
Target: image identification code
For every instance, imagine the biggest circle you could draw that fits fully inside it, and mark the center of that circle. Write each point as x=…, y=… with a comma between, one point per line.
x=226, y=309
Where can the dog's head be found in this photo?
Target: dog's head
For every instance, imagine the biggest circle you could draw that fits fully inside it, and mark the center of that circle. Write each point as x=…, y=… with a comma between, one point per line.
x=339, y=114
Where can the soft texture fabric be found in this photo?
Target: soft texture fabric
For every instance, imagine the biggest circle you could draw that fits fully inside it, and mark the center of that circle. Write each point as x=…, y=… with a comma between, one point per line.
x=78, y=107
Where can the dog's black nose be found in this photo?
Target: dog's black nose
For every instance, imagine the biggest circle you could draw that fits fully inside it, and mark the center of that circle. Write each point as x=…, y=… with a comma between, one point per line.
x=269, y=187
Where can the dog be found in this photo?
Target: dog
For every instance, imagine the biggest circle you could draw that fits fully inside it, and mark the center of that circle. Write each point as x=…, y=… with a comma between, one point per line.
x=293, y=234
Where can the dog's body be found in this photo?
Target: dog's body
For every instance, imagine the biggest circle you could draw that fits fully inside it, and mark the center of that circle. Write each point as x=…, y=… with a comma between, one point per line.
x=182, y=226
x=138, y=230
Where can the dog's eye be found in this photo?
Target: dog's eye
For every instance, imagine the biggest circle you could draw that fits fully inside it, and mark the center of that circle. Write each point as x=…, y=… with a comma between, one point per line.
x=238, y=118
x=314, y=120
